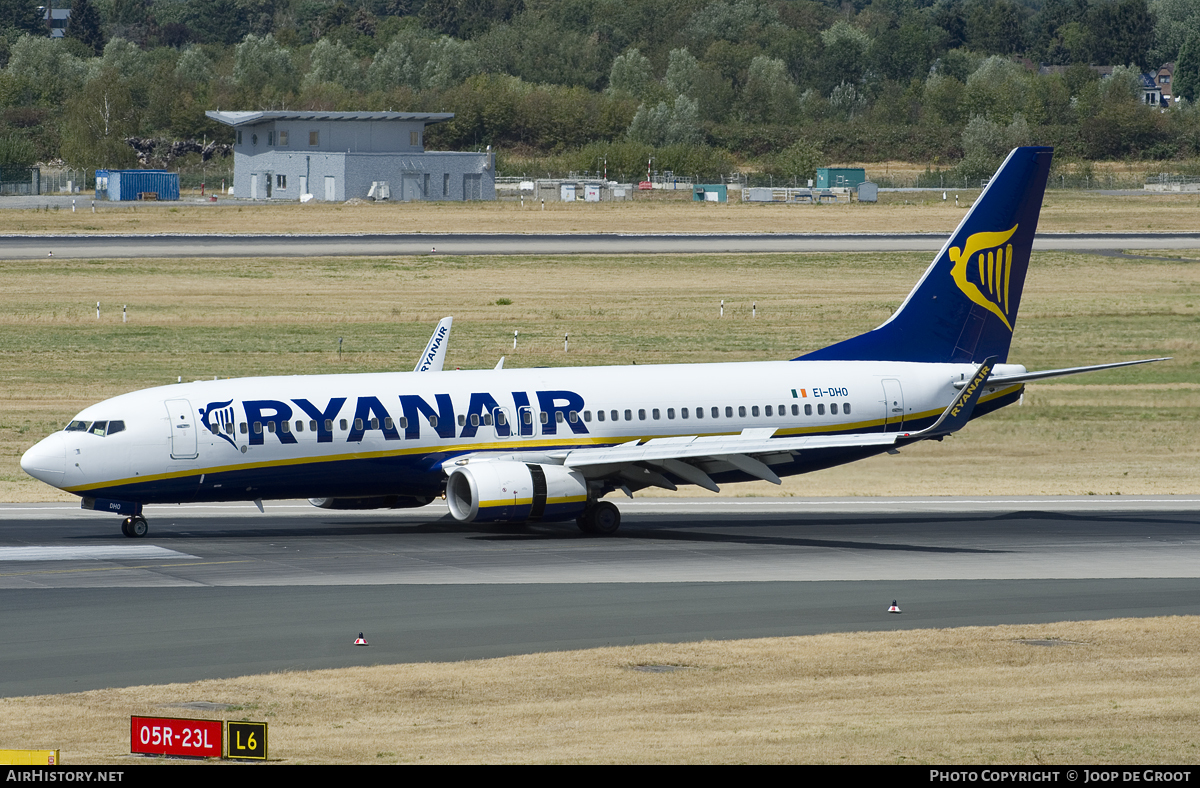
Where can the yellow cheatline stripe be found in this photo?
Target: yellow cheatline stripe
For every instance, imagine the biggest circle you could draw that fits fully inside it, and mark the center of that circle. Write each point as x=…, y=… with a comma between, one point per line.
x=506, y=502
x=522, y=445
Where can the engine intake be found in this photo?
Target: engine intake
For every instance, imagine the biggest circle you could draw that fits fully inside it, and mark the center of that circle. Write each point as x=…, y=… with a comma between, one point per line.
x=514, y=492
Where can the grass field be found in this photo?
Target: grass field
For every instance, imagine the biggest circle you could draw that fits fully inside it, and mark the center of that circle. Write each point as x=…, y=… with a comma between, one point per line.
x=1120, y=432
x=1107, y=692
x=1063, y=211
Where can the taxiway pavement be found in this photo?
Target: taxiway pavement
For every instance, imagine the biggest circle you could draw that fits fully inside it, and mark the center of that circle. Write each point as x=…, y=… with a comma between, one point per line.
x=221, y=590
x=24, y=247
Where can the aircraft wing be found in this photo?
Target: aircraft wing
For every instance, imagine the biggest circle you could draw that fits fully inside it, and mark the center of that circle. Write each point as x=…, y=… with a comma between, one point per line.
x=693, y=457
x=435, y=352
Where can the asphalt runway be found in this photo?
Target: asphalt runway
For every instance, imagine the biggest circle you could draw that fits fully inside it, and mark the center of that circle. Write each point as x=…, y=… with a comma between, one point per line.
x=16, y=247
x=222, y=590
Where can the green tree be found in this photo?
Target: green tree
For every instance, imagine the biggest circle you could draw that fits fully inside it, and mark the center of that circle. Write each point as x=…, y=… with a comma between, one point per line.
x=1187, y=68
x=21, y=16
x=50, y=73
x=769, y=95
x=99, y=118
x=630, y=74
x=1174, y=21
x=262, y=67
x=84, y=26
x=683, y=73
x=334, y=63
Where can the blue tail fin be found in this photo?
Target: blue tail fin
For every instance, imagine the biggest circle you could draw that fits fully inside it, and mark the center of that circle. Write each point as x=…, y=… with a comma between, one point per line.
x=965, y=306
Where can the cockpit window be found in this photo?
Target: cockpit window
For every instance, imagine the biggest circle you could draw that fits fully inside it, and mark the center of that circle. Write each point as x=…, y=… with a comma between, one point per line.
x=100, y=428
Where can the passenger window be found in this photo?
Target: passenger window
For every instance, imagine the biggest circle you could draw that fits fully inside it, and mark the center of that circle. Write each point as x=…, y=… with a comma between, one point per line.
x=328, y=425
x=116, y=426
x=487, y=419
x=728, y=412
x=474, y=419
x=228, y=428
x=795, y=410
x=375, y=423
x=754, y=410
x=271, y=427
x=820, y=410
x=614, y=415
x=742, y=411
x=808, y=410
x=258, y=428
x=462, y=420
x=846, y=408
x=528, y=419
x=284, y=426
x=545, y=417
x=587, y=415
x=358, y=425
x=558, y=416
x=403, y=422
x=388, y=424
x=243, y=428
x=767, y=411
x=683, y=413
x=699, y=413
x=654, y=412
x=599, y=415
x=501, y=419
x=574, y=416
x=433, y=421
x=628, y=415
x=782, y=410
x=716, y=413
x=342, y=424
x=833, y=408
x=641, y=414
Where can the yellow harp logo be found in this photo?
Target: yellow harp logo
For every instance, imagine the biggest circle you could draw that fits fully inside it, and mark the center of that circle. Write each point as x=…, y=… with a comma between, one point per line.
x=993, y=262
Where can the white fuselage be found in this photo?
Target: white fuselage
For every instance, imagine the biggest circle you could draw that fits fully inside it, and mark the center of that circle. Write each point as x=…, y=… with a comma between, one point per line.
x=389, y=433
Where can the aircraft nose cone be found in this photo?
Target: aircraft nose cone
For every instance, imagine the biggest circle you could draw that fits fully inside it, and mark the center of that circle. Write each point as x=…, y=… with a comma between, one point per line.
x=47, y=460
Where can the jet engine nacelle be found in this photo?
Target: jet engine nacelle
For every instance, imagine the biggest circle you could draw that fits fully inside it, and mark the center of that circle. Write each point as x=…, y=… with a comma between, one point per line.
x=375, y=502
x=514, y=492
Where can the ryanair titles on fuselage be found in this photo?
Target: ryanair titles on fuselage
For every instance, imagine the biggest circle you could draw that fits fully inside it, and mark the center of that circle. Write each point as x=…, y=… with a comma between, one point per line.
x=406, y=415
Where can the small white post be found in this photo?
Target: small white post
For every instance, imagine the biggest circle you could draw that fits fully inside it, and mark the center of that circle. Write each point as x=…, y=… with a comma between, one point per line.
x=124, y=315
x=722, y=307
x=339, y=348
x=566, y=340
x=515, y=340
x=754, y=309
x=97, y=310
x=543, y=203
x=72, y=205
x=93, y=206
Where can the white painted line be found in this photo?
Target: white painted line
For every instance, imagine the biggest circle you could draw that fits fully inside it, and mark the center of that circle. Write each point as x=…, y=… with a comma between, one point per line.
x=96, y=553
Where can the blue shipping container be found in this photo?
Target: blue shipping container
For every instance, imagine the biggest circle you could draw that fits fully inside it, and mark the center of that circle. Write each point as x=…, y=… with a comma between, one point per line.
x=139, y=184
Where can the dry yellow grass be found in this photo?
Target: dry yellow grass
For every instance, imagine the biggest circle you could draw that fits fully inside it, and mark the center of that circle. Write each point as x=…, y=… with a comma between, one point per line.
x=1125, y=432
x=1064, y=211
x=1109, y=692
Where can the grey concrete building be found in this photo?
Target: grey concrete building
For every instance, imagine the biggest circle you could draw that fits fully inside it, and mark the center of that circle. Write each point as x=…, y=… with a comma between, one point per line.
x=335, y=156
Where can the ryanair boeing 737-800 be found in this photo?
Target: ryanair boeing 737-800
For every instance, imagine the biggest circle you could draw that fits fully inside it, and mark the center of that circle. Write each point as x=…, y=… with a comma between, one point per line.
x=516, y=445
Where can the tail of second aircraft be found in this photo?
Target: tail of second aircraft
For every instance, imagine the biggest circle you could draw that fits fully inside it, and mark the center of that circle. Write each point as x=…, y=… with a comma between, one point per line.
x=965, y=306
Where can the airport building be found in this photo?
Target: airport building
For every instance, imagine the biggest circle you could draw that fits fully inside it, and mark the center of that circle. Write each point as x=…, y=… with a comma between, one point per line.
x=336, y=156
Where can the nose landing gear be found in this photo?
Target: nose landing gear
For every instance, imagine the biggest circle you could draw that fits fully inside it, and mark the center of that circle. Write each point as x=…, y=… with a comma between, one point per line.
x=135, y=527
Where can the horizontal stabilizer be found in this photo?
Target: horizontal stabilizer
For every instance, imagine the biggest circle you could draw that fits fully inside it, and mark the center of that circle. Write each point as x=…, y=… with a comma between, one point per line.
x=1025, y=377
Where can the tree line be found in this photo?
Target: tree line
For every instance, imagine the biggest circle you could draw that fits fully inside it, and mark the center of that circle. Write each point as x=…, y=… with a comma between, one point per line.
x=707, y=86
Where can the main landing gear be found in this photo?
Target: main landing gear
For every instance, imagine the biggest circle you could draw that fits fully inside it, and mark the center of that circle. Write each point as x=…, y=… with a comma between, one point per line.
x=601, y=518
x=135, y=527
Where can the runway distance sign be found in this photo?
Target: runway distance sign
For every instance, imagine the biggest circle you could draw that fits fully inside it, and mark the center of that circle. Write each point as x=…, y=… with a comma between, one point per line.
x=167, y=736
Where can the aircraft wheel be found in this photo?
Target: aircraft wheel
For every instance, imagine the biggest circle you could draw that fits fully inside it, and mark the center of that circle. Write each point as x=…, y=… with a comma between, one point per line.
x=606, y=518
x=138, y=527
x=125, y=526
x=586, y=521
